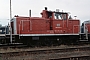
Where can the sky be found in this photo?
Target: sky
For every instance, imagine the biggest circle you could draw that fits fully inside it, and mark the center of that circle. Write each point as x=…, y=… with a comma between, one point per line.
x=79, y=8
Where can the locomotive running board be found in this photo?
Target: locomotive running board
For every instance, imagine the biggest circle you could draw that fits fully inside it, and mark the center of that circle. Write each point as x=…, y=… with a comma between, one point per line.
x=44, y=34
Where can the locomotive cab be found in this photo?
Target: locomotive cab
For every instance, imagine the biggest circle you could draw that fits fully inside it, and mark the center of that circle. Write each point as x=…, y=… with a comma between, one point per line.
x=60, y=23
x=54, y=14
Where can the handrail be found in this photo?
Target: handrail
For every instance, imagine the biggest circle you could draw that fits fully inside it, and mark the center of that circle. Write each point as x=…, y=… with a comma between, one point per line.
x=19, y=31
x=22, y=22
x=86, y=32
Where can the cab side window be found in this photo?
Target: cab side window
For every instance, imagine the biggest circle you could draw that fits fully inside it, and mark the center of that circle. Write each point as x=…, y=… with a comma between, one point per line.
x=60, y=16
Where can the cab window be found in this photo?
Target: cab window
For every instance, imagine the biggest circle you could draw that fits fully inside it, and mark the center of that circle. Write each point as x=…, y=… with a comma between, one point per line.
x=60, y=16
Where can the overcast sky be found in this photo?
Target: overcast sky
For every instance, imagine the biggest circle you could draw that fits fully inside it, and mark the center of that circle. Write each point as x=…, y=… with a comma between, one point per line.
x=79, y=8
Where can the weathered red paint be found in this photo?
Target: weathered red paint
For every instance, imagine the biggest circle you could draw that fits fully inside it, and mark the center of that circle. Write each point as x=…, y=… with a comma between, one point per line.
x=46, y=25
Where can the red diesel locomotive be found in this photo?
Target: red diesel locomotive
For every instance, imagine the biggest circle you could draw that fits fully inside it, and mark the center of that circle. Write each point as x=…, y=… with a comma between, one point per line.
x=53, y=27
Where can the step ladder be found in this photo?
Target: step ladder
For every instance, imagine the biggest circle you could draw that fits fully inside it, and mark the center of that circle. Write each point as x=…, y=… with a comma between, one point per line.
x=8, y=38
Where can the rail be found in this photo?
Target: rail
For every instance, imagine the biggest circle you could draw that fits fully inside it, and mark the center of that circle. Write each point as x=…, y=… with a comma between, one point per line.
x=47, y=53
x=54, y=48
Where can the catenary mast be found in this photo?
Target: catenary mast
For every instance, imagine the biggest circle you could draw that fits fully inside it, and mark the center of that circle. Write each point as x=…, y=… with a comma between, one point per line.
x=10, y=23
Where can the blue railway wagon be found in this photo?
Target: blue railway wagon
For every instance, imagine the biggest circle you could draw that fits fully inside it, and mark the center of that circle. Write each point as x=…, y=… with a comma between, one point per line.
x=4, y=30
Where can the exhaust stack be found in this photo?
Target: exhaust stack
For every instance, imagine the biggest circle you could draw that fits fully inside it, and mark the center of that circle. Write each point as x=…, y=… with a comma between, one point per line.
x=45, y=8
x=30, y=13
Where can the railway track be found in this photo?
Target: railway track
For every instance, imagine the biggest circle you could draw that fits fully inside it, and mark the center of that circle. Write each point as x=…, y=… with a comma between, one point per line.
x=15, y=45
x=61, y=48
x=49, y=49
x=56, y=52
